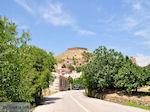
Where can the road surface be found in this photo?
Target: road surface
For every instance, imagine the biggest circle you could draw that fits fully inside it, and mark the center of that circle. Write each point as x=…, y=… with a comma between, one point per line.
x=76, y=101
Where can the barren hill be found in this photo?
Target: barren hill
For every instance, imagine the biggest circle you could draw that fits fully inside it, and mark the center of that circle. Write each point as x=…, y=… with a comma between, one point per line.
x=72, y=55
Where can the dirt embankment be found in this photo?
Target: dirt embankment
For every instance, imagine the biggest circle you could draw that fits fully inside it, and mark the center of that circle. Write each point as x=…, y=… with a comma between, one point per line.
x=142, y=98
x=72, y=54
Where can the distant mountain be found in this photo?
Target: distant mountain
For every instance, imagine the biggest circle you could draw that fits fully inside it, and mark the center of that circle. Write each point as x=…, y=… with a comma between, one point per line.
x=72, y=56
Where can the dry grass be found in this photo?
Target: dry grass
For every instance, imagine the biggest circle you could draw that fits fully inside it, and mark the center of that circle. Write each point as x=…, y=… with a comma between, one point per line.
x=69, y=54
x=140, y=97
x=145, y=89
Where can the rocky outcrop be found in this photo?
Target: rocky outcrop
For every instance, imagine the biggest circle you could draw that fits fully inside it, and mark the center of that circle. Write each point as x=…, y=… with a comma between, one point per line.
x=74, y=55
x=77, y=48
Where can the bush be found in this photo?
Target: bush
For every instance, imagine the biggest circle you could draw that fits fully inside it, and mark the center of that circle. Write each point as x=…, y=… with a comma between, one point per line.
x=70, y=79
x=130, y=77
x=64, y=66
x=24, y=70
x=108, y=69
x=101, y=67
x=79, y=69
x=71, y=68
x=147, y=70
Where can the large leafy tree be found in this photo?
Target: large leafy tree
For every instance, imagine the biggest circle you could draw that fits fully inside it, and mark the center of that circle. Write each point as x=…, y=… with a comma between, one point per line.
x=81, y=80
x=107, y=68
x=43, y=65
x=102, y=65
x=70, y=80
x=24, y=70
x=147, y=71
x=130, y=77
x=9, y=61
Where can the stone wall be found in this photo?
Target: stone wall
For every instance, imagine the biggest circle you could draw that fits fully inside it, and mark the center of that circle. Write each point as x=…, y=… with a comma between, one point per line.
x=76, y=48
x=145, y=100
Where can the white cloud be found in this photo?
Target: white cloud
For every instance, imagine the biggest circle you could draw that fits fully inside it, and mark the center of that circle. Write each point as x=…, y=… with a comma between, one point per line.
x=143, y=33
x=136, y=22
x=137, y=6
x=146, y=42
x=130, y=23
x=85, y=32
x=24, y=4
x=142, y=60
x=56, y=16
x=53, y=14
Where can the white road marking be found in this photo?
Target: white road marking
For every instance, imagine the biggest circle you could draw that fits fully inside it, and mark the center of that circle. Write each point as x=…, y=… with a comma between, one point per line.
x=79, y=104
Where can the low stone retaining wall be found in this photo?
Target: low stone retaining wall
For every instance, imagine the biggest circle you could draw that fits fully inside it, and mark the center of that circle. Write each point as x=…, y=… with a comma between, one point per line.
x=114, y=97
x=48, y=92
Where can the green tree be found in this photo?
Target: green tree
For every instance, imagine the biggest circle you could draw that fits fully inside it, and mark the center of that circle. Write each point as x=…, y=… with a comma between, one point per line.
x=108, y=69
x=10, y=63
x=70, y=80
x=81, y=80
x=64, y=65
x=130, y=77
x=101, y=67
x=147, y=75
x=24, y=70
x=79, y=69
x=71, y=68
x=74, y=60
x=43, y=65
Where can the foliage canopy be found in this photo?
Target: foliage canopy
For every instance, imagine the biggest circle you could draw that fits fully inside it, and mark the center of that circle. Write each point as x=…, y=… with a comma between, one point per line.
x=109, y=69
x=24, y=70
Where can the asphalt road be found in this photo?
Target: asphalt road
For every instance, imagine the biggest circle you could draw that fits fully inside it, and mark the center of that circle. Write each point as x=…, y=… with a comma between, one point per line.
x=76, y=101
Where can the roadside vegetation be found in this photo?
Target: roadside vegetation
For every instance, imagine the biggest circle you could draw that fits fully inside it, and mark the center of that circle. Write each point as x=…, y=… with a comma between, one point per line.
x=136, y=105
x=80, y=81
x=109, y=69
x=108, y=72
x=25, y=70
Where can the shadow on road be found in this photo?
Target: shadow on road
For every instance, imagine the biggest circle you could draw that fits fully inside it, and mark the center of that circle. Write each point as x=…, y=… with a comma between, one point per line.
x=50, y=100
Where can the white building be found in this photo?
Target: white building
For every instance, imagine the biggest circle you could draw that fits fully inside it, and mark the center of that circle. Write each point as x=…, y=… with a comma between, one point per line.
x=74, y=74
x=60, y=83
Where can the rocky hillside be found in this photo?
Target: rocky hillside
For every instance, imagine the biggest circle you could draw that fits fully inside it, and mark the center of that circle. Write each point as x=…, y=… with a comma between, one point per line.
x=72, y=56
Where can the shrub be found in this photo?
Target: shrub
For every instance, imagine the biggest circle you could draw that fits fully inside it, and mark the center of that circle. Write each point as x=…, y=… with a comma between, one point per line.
x=130, y=77
x=71, y=68
x=108, y=69
x=101, y=67
x=24, y=70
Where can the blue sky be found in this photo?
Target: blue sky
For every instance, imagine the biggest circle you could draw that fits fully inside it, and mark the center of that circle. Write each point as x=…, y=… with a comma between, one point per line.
x=56, y=25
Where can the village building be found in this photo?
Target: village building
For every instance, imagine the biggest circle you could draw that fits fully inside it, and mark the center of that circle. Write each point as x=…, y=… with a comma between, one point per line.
x=61, y=75
x=74, y=74
x=72, y=57
x=60, y=82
